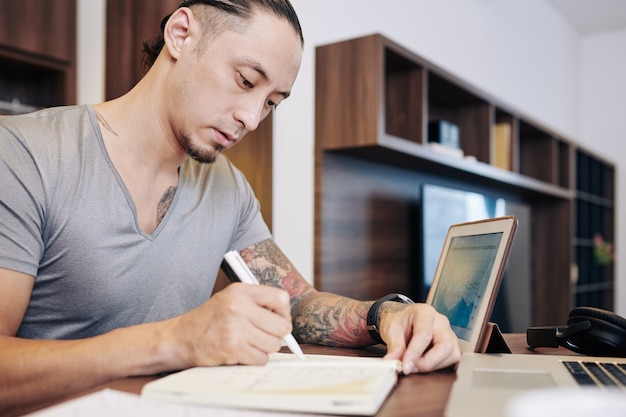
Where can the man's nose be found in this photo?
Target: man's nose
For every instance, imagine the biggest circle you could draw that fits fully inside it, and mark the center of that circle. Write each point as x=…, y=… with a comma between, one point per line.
x=251, y=113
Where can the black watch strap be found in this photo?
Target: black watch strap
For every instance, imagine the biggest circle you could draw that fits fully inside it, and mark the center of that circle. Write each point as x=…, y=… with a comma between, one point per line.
x=372, y=314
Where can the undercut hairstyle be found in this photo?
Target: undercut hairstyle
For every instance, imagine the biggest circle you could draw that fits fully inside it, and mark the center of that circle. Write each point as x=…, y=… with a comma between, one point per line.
x=216, y=16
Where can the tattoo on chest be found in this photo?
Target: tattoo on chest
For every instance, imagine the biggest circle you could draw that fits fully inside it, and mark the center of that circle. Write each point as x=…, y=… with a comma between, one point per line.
x=165, y=203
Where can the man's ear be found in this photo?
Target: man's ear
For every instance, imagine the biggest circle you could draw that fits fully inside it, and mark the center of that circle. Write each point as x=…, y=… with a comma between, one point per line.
x=177, y=30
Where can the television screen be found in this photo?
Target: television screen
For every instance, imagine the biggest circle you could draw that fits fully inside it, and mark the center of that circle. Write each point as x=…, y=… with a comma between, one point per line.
x=444, y=206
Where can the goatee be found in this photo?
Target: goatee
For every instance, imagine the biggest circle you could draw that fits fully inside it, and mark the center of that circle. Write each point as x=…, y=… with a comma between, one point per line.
x=204, y=156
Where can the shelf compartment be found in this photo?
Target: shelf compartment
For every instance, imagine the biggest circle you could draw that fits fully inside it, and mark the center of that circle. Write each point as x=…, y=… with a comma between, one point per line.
x=404, y=97
x=31, y=85
x=538, y=153
x=594, y=177
x=565, y=170
x=452, y=103
x=504, y=142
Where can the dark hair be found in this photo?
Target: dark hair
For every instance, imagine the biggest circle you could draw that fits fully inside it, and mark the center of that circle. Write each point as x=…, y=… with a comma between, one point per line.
x=241, y=9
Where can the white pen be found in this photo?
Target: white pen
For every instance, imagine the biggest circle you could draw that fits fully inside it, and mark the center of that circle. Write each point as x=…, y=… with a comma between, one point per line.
x=245, y=275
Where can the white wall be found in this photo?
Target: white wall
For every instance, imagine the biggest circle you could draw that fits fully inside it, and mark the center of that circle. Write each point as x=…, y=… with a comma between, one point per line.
x=294, y=139
x=521, y=52
x=90, y=50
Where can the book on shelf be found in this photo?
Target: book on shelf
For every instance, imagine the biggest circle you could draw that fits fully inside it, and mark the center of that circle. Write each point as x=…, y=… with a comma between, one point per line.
x=444, y=133
x=502, y=145
x=322, y=384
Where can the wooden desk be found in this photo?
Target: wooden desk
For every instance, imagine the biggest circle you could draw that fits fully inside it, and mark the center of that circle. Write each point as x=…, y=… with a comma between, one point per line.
x=421, y=395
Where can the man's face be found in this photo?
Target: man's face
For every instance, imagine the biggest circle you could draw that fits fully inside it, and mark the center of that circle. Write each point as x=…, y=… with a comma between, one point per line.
x=225, y=91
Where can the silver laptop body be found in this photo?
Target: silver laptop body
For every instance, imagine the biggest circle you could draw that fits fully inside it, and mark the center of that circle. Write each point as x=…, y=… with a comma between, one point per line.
x=487, y=382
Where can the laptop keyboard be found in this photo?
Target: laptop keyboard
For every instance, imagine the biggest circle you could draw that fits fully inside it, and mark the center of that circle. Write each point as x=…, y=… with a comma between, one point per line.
x=598, y=373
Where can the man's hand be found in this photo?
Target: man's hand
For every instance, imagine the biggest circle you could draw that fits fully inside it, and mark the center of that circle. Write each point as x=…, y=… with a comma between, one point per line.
x=241, y=324
x=419, y=336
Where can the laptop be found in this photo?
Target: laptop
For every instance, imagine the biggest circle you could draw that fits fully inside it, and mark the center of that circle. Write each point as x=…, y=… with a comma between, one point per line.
x=468, y=276
x=488, y=384
x=464, y=289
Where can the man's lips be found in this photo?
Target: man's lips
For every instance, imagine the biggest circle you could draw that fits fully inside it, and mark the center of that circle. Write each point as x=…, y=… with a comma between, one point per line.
x=225, y=139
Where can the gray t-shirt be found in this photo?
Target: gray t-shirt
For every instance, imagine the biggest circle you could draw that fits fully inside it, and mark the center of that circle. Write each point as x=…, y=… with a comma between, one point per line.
x=67, y=218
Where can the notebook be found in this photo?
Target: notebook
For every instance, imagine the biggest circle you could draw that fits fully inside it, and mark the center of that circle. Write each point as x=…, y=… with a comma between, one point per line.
x=468, y=277
x=487, y=383
x=322, y=384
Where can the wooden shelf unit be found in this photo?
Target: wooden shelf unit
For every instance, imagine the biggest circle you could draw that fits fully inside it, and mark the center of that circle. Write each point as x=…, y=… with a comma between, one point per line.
x=37, y=54
x=374, y=99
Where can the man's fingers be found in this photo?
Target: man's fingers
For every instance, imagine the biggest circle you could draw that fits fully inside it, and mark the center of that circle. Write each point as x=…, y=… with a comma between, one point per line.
x=267, y=308
x=271, y=298
x=431, y=342
x=443, y=350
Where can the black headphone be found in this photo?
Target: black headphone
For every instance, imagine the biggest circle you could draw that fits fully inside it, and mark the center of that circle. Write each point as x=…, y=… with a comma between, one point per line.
x=589, y=330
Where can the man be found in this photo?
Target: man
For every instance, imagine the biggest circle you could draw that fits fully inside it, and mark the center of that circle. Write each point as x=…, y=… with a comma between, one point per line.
x=115, y=219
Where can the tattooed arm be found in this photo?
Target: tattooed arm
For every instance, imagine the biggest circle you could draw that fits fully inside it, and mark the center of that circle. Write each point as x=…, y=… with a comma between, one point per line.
x=318, y=317
x=416, y=333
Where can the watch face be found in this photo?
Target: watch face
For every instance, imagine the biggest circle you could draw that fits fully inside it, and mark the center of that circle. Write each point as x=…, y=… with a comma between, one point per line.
x=404, y=299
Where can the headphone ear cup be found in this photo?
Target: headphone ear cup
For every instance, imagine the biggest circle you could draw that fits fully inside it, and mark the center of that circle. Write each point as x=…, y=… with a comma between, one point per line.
x=606, y=337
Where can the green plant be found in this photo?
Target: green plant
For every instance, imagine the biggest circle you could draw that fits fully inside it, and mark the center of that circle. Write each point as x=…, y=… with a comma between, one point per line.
x=602, y=250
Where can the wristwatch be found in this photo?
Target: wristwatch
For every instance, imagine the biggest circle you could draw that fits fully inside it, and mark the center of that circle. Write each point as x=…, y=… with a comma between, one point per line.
x=372, y=314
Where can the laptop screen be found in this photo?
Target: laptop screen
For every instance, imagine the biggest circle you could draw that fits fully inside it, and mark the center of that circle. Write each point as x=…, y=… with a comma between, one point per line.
x=464, y=279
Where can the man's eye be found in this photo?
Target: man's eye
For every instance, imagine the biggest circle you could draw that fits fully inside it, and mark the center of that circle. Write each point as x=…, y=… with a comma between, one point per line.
x=271, y=104
x=245, y=82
